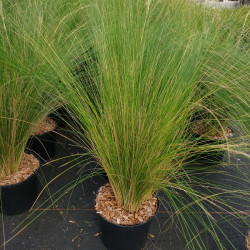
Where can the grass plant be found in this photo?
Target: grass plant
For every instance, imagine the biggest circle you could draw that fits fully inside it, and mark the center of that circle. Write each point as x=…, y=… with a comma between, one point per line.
x=148, y=75
x=151, y=58
x=224, y=85
x=224, y=90
x=25, y=96
x=139, y=87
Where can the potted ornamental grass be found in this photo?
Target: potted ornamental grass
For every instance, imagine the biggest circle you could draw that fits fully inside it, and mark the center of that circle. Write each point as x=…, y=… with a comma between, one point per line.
x=223, y=113
x=25, y=102
x=224, y=85
x=30, y=84
x=27, y=22
x=150, y=57
x=133, y=105
x=17, y=118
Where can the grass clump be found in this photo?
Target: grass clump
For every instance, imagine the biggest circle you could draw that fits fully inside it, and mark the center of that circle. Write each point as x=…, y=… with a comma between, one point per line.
x=152, y=57
x=25, y=96
x=145, y=68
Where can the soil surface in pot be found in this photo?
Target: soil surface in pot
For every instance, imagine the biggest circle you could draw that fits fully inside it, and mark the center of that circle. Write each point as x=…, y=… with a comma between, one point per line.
x=200, y=128
x=47, y=126
x=109, y=209
x=28, y=165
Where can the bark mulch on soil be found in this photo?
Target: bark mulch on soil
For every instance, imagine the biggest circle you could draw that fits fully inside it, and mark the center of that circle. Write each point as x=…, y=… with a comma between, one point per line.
x=28, y=165
x=108, y=208
x=47, y=126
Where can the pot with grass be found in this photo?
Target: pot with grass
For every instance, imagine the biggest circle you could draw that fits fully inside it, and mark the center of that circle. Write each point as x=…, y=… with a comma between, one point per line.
x=122, y=229
x=132, y=127
x=136, y=124
x=18, y=170
x=25, y=101
x=223, y=109
x=19, y=190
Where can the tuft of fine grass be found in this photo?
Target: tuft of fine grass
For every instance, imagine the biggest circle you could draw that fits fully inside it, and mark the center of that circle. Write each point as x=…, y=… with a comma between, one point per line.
x=142, y=67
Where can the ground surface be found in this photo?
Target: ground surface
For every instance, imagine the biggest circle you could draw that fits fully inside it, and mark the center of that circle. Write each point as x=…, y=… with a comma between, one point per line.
x=71, y=223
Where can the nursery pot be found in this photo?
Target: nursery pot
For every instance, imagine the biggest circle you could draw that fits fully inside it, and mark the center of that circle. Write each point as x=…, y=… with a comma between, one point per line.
x=124, y=237
x=61, y=116
x=18, y=198
x=42, y=146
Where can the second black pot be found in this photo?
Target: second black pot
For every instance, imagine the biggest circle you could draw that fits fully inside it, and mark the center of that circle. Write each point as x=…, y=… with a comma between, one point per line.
x=18, y=198
x=42, y=146
x=62, y=117
x=124, y=237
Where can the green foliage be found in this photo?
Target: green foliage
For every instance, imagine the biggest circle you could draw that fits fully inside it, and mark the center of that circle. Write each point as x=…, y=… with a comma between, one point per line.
x=25, y=95
x=152, y=57
x=133, y=73
x=224, y=86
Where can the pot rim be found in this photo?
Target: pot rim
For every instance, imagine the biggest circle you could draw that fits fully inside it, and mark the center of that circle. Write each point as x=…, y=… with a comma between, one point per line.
x=32, y=136
x=21, y=182
x=43, y=134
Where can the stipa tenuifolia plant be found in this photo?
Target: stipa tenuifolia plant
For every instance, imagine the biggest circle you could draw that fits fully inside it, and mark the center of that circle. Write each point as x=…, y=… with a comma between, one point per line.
x=147, y=81
x=135, y=96
x=224, y=90
x=224, y=85
x=25, y=97
x=30, y=81
x=150, y=59
x=145, y=89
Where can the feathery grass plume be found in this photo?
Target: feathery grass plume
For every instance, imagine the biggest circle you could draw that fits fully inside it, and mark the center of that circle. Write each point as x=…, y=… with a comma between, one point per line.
x=146, y=93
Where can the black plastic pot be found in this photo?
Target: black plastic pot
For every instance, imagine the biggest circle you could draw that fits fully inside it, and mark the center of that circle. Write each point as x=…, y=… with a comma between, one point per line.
x=124, y=237
x=42, y=146
x=61, y=116
x=18, y=198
